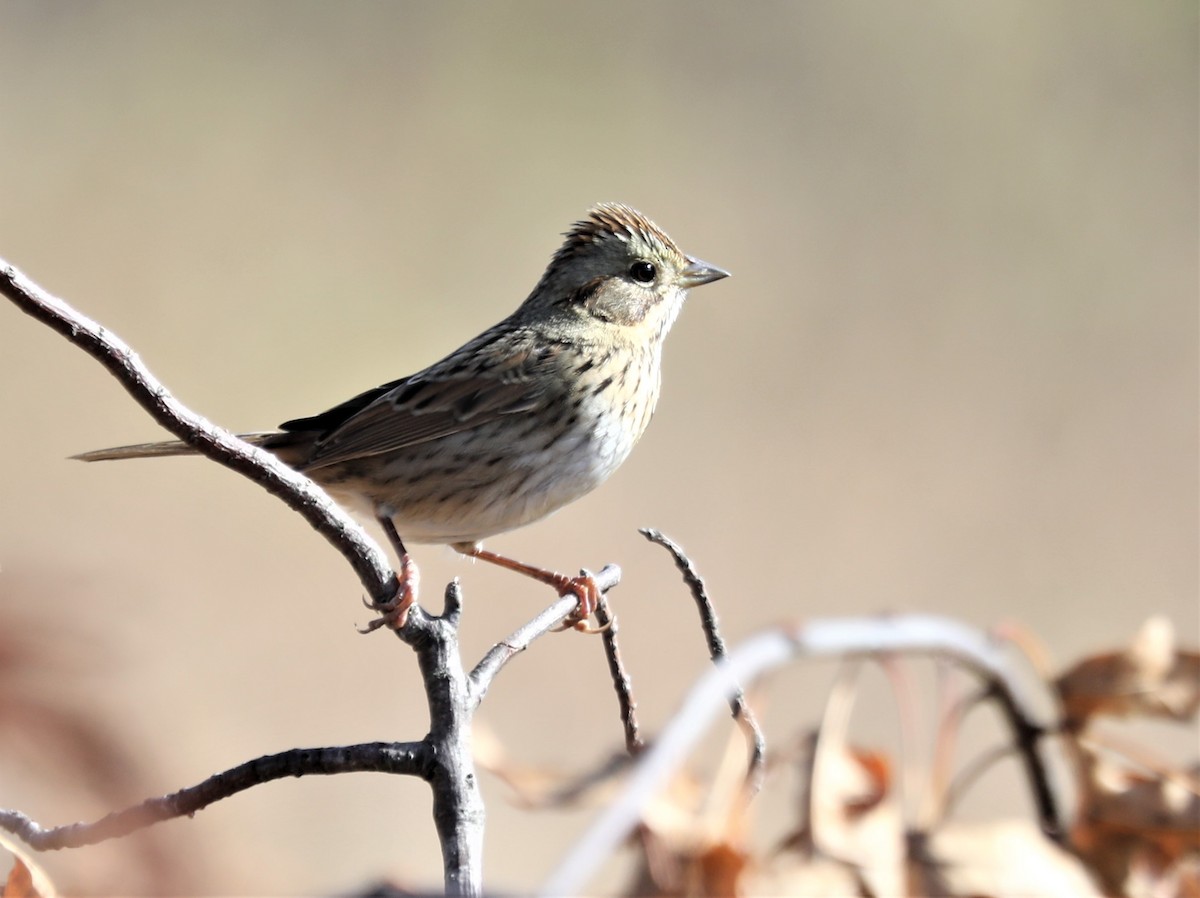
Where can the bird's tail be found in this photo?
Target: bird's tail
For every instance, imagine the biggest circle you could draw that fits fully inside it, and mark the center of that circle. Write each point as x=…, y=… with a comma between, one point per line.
x=171, y=447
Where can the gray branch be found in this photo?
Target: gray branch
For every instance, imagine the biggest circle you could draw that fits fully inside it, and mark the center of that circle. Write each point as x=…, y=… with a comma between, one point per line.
x=443, y=757
x=411, y=758
x=218, y=444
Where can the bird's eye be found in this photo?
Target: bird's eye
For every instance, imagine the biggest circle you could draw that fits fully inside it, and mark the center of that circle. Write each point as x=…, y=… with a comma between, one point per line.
x=642, y=272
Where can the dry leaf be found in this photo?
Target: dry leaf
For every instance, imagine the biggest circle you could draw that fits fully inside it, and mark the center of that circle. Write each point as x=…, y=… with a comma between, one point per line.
x=878, y=772
x=20, y=882
x=1152, y=678
x=26, y=879
x=1133, y=822
x=1007, y=859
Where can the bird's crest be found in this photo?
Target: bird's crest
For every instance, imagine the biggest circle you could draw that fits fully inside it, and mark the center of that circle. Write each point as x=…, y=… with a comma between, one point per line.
x=607, y=221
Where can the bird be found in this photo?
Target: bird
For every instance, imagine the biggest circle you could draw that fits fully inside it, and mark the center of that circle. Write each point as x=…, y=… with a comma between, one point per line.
x=529, y=416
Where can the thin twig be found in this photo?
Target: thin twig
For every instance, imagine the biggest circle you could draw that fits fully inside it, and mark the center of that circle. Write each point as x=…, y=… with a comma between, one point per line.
x=958, y=786
x=622, y=684
x=504, y=651
x=218, y=444
x=943, y=793
x=756, y=766
x=571, y=791
x=411, y=758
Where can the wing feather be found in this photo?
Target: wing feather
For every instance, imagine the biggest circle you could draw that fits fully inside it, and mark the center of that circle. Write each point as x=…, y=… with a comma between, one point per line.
x=467, y=389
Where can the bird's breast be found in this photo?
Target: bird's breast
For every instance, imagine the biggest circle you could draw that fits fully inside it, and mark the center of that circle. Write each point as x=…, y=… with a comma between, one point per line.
x=514, y=469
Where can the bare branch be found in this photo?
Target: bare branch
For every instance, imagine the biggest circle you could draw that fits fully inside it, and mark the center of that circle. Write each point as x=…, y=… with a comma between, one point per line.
x=505, y=650
x=837, y=637
x=756, y=767
x=218, y=444
x=443, y=758
x=410, y=758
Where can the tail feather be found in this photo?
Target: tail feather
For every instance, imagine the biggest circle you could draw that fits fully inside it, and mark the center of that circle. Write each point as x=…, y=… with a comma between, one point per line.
x=155, y=450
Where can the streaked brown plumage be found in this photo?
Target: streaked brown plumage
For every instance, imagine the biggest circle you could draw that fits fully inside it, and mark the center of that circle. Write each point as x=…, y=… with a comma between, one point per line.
x=529, y=416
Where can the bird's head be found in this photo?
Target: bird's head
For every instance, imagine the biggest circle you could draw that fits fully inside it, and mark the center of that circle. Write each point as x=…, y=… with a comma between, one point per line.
x=617, y=269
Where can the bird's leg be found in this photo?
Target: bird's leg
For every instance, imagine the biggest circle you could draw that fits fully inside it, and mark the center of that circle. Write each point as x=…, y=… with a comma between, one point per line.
x=395, y=611
x=583, y=587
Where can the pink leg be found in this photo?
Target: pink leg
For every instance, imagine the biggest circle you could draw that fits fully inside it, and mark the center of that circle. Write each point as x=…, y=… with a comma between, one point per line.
x=583, y=587
x=395, y=612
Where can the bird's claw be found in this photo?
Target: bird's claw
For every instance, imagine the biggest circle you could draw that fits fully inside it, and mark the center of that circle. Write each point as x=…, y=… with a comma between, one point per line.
x=587, y=591
x=393, y=613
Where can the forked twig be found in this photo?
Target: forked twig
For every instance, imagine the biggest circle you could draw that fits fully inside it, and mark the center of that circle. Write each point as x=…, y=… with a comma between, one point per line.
x=443, y=757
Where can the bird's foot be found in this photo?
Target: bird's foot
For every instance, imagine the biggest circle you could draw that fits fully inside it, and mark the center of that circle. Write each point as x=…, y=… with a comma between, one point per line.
x=587, y=591
x=583, y=587
x=393, y=613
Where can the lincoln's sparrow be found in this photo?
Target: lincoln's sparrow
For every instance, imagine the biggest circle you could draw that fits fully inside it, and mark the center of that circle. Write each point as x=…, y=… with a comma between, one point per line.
x=527, y=417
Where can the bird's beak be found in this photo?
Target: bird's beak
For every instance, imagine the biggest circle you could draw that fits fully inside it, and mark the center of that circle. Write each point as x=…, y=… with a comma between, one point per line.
x=696, y=273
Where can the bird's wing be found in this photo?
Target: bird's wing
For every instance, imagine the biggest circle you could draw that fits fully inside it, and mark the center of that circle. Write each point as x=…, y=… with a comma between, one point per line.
x=494, y=375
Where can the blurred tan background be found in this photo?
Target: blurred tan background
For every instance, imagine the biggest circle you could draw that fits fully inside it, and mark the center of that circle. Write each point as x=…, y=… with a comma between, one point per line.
x=955, y=369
